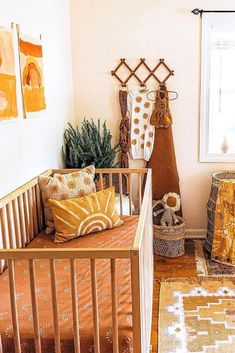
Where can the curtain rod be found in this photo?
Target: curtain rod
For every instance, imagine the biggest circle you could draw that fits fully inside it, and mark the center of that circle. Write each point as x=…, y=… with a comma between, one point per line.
x=200, y=12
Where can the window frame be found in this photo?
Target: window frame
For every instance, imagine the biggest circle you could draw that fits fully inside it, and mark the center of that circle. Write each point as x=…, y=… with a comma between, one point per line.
x=208, y=20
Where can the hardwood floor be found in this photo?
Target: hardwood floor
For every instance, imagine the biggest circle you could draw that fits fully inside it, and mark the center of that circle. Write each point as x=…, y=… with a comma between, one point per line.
x=183, y=266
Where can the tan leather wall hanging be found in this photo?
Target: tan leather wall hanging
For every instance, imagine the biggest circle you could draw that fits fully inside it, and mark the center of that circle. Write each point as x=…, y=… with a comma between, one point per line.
x=163, y=159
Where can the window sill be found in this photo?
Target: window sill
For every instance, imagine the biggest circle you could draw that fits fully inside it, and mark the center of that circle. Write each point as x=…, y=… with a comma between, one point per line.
x=217, y=158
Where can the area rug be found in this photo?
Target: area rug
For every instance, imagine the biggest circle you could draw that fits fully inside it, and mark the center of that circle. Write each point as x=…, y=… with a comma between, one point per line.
x=207, y=267
x=197, y=316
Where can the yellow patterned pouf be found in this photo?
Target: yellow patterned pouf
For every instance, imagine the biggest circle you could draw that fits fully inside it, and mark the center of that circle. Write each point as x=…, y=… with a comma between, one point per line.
x=197, y=316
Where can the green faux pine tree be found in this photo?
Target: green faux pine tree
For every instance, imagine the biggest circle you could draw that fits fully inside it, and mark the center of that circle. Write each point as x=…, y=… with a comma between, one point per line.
x=89, y=145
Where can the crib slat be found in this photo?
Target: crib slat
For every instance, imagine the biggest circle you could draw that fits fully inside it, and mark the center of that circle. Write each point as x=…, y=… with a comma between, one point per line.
x=4, y=233
x=74, y=293
x=114, y=305
x=101, y=181
x=26, y=216
x=95, y=307
x=1, y=348
x=39, y=207
x=22, y=220
x=140, y=191
x=17, y=223
x=120, y=192
x=14, y=312
x=10, y=223
x=3, y=216
x=130, y=195
x=110, y=180
x=35, y=215
x=31, y=225
x=55, y=307
x=34, y=307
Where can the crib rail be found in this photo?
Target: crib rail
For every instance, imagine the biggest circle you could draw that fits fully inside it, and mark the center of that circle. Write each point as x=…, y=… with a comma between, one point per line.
x=21, y=217
x=142, y=273
x=24, y=229
x=126, y=181
x=65, y=253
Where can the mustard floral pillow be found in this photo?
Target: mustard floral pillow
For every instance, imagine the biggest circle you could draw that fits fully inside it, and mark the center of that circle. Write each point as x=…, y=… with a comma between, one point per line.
x=65, y=186
x=85, y=215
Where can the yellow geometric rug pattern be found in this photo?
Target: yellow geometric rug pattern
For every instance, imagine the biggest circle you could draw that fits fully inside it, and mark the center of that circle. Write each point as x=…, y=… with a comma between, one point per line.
x=197, y=316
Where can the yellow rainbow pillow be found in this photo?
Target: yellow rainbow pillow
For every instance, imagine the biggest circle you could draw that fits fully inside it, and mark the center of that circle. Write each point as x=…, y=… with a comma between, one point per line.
x=84, y=215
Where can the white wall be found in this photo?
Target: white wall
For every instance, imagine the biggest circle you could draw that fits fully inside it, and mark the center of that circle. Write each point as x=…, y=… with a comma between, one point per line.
x=30, y=146
x=104, y=31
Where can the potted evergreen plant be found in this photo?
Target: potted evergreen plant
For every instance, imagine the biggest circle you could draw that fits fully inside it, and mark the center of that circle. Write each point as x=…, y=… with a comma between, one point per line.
x=91, y=144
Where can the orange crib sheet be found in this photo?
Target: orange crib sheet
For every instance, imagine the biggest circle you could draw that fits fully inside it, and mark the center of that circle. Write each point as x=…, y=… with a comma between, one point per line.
x=118, y=237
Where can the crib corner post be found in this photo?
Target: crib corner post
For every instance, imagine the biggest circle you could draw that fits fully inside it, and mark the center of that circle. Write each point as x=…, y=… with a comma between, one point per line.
x=135, y=289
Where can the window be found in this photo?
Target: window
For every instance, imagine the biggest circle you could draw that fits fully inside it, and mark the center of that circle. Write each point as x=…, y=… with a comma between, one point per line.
x=217, y=130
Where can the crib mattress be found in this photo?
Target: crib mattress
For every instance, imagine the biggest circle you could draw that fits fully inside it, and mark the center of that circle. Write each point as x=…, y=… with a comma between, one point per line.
x=119, y=237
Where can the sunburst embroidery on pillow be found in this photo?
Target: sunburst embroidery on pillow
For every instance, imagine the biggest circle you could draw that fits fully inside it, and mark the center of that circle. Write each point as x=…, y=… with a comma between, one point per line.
x=85, y=215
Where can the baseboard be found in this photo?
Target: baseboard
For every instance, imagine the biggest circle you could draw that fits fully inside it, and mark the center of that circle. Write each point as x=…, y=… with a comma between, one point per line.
x=195, y=233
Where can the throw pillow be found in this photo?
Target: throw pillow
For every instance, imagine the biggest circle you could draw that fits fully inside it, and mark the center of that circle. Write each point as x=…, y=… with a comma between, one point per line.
x=65, y=186
x=84, y=215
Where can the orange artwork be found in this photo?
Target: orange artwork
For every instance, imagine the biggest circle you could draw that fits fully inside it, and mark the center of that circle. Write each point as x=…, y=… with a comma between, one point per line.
x=32, y=75
x=8, y=101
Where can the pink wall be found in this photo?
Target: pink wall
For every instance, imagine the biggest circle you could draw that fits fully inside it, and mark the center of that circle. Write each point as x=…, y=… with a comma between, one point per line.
x=104, y=31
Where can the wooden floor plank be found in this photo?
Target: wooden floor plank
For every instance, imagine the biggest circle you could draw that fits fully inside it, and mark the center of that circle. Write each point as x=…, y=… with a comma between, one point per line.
x=184, y=266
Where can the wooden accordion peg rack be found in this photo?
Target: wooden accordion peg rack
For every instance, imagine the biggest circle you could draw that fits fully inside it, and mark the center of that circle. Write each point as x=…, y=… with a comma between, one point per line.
x=153, y=73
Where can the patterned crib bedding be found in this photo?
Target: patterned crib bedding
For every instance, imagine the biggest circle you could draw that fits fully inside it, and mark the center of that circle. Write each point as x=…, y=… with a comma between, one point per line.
x=118, y=237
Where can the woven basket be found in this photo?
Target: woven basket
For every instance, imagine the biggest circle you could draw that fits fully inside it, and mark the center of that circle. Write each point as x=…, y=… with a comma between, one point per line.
x=169, y=241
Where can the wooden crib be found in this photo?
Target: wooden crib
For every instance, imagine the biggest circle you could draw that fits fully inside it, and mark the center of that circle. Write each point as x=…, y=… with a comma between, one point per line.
x=21, y=220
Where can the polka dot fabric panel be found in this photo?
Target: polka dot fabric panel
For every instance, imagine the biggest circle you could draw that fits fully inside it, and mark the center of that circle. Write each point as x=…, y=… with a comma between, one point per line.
x=142, y=132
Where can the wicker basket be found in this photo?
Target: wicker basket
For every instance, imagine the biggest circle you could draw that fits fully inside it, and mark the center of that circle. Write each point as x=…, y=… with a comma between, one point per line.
x=169, y=241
